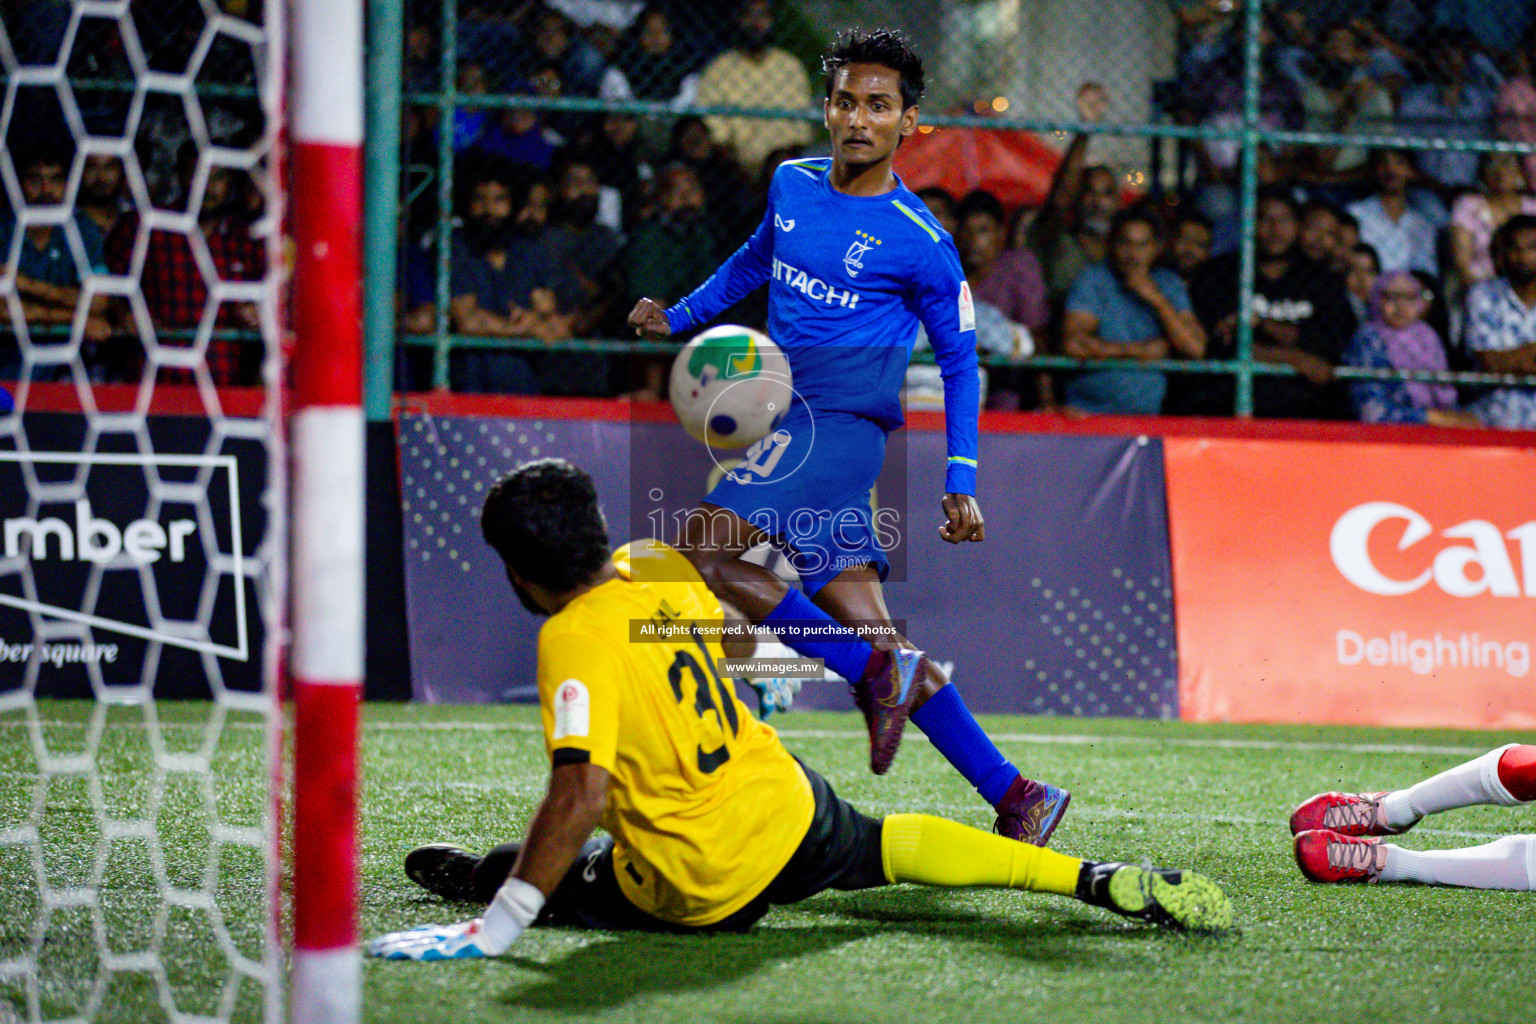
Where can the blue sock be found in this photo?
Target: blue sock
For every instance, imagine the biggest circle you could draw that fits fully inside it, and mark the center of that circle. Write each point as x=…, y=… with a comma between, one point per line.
x=952, y=728
x=842, y=649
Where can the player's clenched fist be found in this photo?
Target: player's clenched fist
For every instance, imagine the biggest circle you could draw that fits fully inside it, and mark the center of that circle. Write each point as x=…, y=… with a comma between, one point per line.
x=649, y=320
x=962, y=519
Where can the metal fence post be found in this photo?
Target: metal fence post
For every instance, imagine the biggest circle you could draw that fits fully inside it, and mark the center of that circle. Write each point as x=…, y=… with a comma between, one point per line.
x=1247, y=189
x=447, y=116
x=381, y=204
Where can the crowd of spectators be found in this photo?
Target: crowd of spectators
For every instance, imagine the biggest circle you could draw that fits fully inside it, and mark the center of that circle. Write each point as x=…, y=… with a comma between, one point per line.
x=103, y=234
x=1364, y=256
x=167, y=322
x=1345, y=233
x=562, y=220
x=1371, y=257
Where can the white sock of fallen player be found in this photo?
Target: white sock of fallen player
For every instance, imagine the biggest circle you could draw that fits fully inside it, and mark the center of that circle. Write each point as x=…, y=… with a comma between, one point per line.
x=1475, y=782
x=1508, y=863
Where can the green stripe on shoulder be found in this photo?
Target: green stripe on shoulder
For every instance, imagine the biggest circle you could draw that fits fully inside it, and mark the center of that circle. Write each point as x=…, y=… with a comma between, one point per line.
x=915, y=219
x=963, y=460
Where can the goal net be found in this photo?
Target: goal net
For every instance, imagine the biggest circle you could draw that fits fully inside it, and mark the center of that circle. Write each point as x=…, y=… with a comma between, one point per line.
x=141, y=511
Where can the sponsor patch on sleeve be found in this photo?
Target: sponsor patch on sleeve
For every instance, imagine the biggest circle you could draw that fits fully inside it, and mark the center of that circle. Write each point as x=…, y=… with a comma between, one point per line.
x=967, y=308
x=573, y=709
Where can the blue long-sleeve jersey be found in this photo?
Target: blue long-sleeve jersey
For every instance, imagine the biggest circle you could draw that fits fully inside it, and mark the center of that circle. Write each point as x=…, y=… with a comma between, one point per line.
x=850, y=277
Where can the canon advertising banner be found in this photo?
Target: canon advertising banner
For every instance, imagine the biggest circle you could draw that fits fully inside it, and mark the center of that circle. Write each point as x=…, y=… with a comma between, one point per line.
x=130, y=560
x=1370, y=584
x=1064, y=609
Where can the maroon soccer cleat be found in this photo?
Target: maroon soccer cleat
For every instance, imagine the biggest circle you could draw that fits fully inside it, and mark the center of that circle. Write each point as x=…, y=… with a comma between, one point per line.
x=1030, y=811
x=1349, y=814
x=1325, y=856
x=886, y=693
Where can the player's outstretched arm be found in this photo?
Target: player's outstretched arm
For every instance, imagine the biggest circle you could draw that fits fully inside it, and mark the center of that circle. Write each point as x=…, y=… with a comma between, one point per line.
x=742, y=271
x=571, y=809
x=962, y=519
x=649, y=320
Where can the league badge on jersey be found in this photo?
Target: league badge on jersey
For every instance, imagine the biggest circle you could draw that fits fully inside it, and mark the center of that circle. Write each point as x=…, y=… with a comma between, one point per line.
x=967, y=308
x=853, y=259
x=573, y=709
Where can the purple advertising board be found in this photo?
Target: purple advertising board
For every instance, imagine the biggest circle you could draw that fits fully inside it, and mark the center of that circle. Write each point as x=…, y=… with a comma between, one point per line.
x=1066, y=607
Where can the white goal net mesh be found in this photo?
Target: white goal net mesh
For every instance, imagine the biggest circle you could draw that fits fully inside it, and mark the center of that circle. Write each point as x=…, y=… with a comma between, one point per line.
x=141, y=511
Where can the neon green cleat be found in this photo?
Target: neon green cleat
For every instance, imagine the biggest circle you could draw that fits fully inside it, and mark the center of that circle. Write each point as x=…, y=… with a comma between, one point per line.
x=1177, y=900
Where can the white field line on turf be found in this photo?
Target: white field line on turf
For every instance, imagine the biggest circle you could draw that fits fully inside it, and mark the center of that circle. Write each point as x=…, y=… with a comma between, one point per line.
x=1028, y=737
x=1062, y=739
x=1024, y=737
x=960, y=811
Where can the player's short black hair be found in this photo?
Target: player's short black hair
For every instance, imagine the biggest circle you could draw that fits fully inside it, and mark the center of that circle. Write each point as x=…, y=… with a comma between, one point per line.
x=884, y=47
x=981, y=201
x=1367, y=249
x=544, y=521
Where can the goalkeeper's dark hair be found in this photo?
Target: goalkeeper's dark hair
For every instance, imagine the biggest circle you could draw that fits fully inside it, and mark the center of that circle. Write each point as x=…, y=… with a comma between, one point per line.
x=543, y=520
x=884, y=47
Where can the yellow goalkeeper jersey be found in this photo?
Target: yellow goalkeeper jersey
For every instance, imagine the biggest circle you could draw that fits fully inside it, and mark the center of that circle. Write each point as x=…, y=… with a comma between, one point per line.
x=705, y=805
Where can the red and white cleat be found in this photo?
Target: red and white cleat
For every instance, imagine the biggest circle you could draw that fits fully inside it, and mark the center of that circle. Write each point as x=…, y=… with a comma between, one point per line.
x=1349, y=814
x=1325, y=856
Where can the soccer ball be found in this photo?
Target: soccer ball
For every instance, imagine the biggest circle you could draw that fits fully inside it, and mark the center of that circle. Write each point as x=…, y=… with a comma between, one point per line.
x=730, y=386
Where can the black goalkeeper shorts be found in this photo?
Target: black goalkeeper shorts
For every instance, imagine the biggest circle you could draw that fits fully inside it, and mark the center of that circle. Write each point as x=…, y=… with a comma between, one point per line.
x=841, y=850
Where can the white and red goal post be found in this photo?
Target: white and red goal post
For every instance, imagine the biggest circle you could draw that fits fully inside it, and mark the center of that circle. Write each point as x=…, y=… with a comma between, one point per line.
x=324, y=186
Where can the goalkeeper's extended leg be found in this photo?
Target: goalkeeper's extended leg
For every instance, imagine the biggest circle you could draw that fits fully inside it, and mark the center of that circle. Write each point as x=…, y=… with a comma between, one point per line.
x=587, y=897
x=926, y=850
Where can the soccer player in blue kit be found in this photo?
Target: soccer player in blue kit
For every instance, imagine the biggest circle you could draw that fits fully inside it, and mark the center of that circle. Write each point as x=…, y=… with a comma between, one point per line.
x=854, y=261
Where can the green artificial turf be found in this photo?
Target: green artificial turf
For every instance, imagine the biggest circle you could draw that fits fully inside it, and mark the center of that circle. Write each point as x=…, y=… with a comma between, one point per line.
x=1214, y=798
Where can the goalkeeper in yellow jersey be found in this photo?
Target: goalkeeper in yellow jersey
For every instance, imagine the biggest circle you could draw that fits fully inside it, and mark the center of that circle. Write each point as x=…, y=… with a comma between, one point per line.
x=710, y=820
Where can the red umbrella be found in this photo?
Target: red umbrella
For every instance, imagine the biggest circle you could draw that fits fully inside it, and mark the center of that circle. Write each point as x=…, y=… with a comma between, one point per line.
x=1016, y=166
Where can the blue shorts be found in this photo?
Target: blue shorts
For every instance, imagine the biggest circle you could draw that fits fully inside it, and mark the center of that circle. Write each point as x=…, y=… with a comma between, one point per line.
x=807, y=485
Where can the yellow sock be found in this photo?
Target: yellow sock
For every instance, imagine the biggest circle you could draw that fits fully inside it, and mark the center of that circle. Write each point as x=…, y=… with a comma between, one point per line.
x=933, y=851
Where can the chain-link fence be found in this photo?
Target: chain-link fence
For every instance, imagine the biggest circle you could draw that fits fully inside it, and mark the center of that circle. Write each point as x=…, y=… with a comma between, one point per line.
x=132, y=152
x=1314, y=181
x=1296, y=159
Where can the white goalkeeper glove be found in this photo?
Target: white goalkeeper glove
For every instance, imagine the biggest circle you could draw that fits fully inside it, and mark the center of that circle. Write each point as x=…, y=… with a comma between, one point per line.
x=514, y=909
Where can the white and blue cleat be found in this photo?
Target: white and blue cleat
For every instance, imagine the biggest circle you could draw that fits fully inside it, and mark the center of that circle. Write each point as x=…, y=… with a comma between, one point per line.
x=775, y=695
